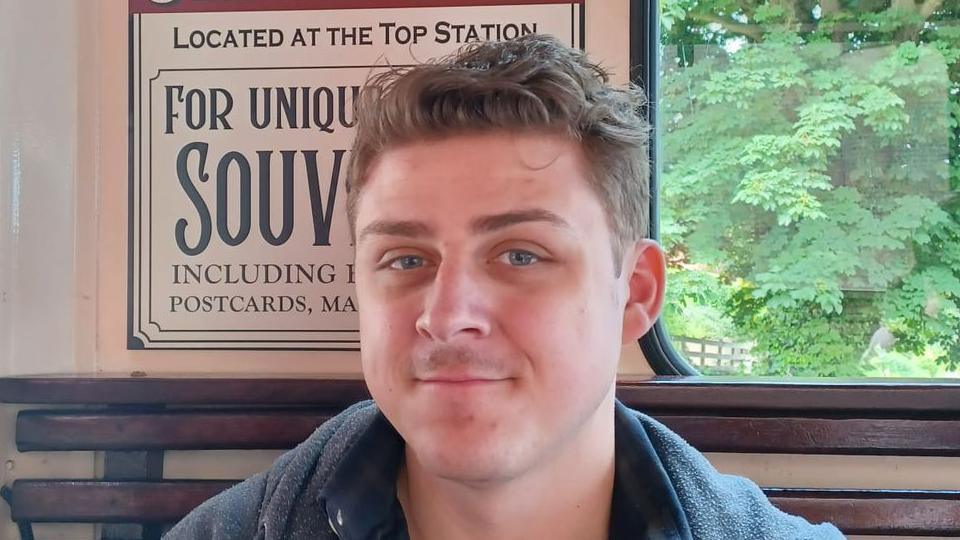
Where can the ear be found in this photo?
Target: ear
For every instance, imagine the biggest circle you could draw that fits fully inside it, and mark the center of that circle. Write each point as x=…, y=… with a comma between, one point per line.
x=645, y=271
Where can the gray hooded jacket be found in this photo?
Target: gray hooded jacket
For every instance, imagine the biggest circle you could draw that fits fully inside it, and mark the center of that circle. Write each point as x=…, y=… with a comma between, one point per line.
x=286, y=501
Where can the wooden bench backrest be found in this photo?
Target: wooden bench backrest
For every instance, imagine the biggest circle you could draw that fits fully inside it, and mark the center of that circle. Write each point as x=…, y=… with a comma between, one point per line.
x=137, y=419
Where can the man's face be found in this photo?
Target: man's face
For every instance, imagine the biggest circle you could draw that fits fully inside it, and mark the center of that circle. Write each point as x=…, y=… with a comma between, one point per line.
x=491, y=316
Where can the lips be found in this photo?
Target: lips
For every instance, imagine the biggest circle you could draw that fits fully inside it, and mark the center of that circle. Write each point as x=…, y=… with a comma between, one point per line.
x=460, y=379
x=464, y=388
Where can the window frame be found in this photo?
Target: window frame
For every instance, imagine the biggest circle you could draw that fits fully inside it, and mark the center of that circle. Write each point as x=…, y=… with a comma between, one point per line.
x=658, y=350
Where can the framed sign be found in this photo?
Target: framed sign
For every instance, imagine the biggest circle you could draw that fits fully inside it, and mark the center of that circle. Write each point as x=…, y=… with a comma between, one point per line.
x=241, y=118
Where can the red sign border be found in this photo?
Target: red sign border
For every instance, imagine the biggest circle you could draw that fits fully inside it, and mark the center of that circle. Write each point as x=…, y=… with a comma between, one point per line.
x=201, y=6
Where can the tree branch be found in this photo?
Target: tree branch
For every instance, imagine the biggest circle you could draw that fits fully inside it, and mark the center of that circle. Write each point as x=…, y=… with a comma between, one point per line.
x=749, y=30
x=829, y=7
x=925, y=8
x=929, y=7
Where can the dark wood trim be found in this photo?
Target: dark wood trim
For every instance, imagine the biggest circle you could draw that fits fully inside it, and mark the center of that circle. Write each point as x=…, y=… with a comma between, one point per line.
x=135, y=418
x=108, y=390
x=853, y=511
x=240, y=429
x=94, y=501
x=853, y=436
x=875, y=512
x=865, y=397
x=878, y=397
x=132, y=466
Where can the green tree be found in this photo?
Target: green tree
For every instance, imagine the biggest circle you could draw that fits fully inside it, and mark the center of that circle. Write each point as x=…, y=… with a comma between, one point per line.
x=811, y=164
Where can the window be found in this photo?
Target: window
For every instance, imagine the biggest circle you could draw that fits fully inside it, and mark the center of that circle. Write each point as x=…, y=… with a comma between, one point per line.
x=808, y=178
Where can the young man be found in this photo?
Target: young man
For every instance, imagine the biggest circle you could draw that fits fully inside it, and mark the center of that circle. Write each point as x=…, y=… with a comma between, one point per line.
x=498, y=200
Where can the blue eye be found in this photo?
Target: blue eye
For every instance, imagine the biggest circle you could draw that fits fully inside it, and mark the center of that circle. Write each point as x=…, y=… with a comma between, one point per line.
x=519, y=257
x=407, y=262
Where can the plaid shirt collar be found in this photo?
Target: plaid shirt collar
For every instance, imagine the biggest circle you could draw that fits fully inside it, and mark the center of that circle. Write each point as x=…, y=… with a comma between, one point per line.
x=361, y=503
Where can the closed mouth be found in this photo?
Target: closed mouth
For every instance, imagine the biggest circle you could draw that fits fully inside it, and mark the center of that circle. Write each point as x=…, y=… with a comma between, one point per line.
x=461, y=380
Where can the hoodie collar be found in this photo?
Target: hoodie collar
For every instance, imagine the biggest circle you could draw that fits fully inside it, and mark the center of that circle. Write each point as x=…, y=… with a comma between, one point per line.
x=361, y=502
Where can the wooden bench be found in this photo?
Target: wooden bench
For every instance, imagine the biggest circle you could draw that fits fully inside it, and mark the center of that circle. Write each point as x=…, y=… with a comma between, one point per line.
x=135, y=420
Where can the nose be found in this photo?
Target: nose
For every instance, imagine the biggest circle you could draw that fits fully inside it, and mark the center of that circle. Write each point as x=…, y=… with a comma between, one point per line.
x=455, y=306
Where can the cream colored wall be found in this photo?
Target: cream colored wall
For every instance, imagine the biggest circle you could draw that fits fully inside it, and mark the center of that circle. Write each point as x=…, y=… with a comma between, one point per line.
x=47, y=195
x=63, y=185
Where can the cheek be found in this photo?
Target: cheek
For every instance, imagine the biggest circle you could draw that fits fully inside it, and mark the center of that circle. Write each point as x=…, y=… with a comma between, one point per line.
x=557, y=331
x=576, y=335
x=381, y=312
x=387, y=334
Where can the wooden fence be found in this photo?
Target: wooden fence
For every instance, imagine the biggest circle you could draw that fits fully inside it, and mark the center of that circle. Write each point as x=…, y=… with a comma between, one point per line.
x=716, y=357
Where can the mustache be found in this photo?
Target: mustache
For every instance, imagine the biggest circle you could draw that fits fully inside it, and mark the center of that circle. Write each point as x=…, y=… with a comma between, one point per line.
x=448, y=359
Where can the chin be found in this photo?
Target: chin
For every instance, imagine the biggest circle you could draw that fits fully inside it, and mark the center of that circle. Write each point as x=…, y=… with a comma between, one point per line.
x=470, y=459
x=470, y=463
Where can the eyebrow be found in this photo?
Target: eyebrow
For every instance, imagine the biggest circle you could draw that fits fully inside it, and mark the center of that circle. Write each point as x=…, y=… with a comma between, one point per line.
x=483, y=224
x=487, y=224
x=409, y=229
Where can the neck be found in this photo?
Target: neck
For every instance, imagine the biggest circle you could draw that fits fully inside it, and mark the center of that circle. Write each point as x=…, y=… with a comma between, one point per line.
x=565, y=496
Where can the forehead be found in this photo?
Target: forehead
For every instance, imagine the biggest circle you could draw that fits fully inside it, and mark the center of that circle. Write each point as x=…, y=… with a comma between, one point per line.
x=461, y=177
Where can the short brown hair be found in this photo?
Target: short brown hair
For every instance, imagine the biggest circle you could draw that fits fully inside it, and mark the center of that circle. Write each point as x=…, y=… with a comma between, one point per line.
x=532, y=83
